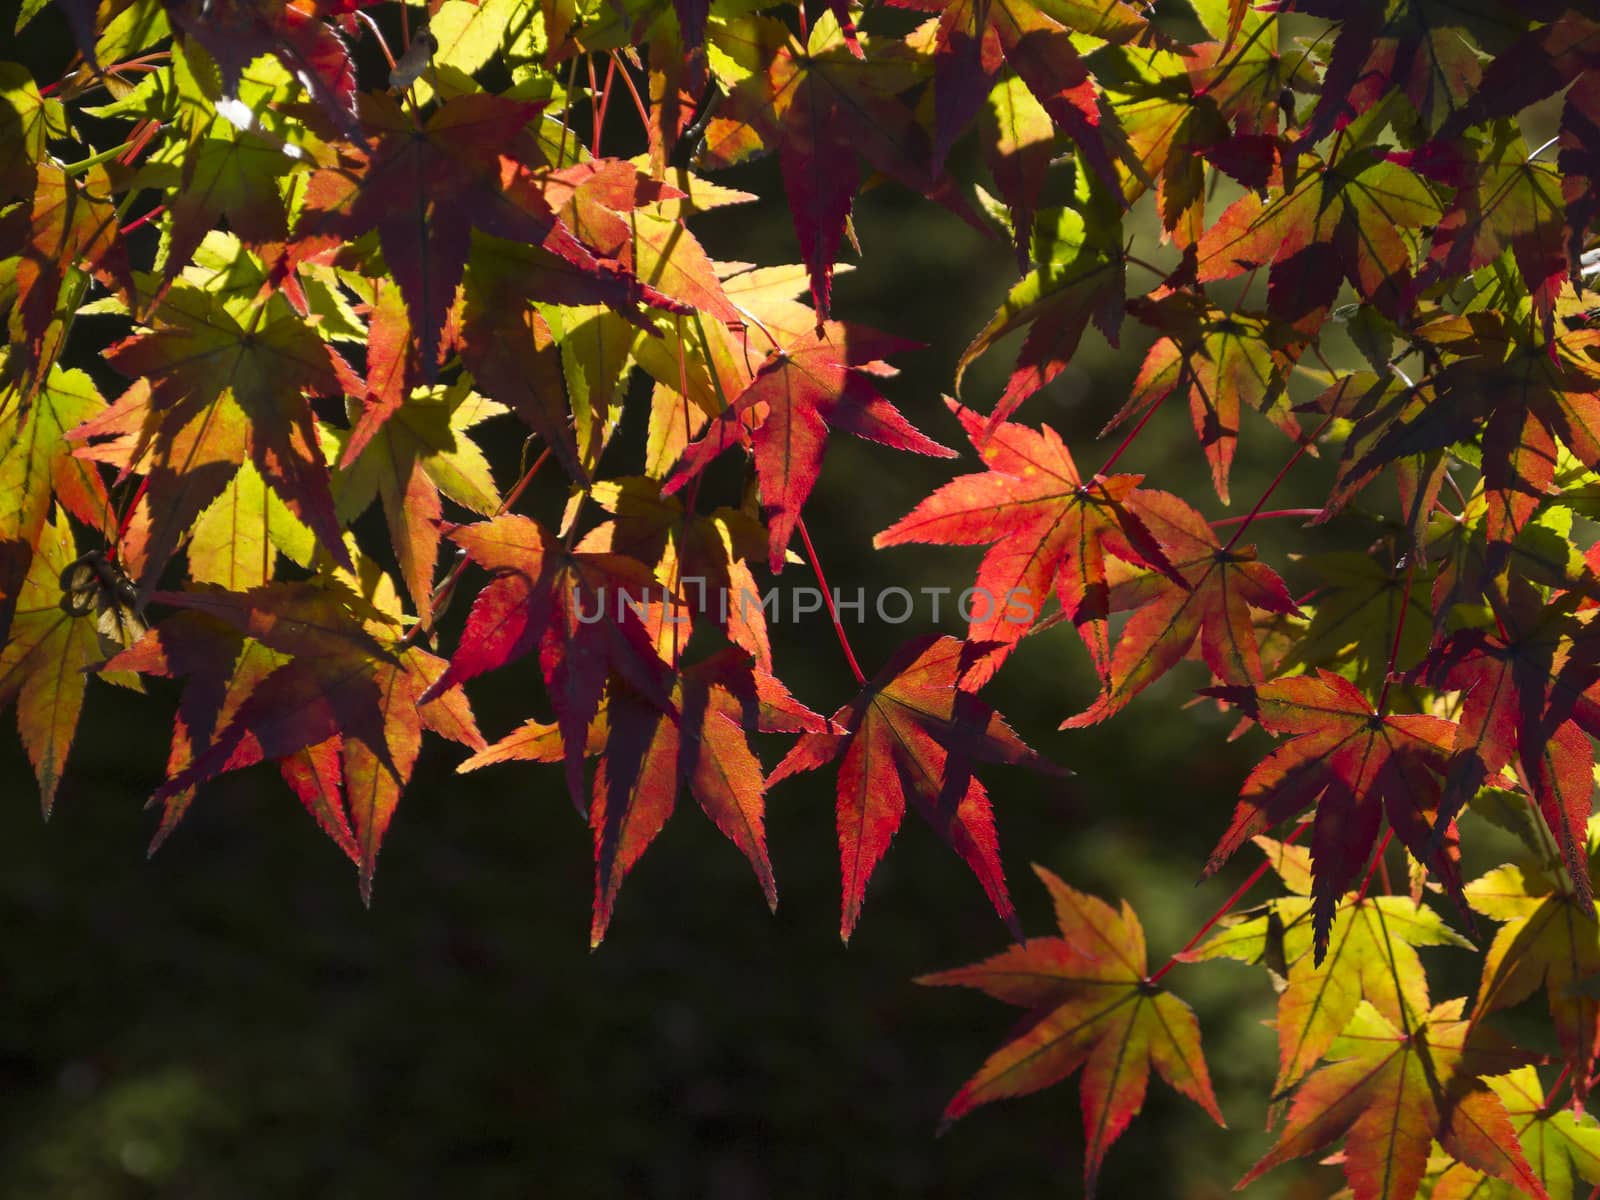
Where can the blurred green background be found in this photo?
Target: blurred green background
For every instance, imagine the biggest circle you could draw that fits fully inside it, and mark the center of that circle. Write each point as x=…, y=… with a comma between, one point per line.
x=228, y=1020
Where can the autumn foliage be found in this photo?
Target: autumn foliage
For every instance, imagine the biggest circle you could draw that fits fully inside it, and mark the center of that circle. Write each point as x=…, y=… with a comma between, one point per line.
x=347, y=246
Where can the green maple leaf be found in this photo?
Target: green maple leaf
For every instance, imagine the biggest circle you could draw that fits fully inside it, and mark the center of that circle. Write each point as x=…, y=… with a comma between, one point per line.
x=421, y=453
x=1371, y=957
x=1078, y=277
x=1548, y=941
x=1562, y=1146
x=42, y=663
x=36, y=464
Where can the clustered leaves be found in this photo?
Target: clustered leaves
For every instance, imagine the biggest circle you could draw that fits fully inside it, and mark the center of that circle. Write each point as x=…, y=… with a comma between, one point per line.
x=354, y=252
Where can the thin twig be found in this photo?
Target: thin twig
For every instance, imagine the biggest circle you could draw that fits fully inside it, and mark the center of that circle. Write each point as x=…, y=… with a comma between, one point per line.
x=1225, y=909
x=833, y=611
x=1305, y=444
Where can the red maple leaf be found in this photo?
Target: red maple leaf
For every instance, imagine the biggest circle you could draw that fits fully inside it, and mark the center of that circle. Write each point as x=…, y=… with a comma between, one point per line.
x=1357, y=766
x=816, y=382
x=1523, y=692
x=317, y=681
x=650, y=754
x=912, y=733
x=576, y=608
x=1208, y=593
x=471, y=165
x=1051, y=530
x=822, y=107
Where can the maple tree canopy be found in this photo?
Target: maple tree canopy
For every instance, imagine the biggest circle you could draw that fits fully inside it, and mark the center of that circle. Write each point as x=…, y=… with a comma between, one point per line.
x=383, y=296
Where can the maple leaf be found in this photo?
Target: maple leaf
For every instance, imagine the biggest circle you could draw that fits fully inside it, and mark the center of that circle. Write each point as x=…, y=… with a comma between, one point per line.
x=912, y=733
x=36, y=464
x=1548, y=940
x=1521, y=687
x=231, y=173
x=1216, y=103
x=1391, y=1092
x=1227, y=360
x=818, y=382
x=1371, y=956
x=1078, y=277
x=68, y=220
x=1208, y=595
x=1242, y=73
x=1561, y=1145
x=821, y=107
x=422, y=451
x=1376, y=405
x=335, y=693
x=234, y=32
x=647, y=756
x=211, y=394
x=508, y=344
x=1360, y=204
x=221, y=667
x=1051, y=530
x=1092, y=1004
x=1382, y=48
x=704, y=748
x=44, y=656
x=1520, y=397
x=425, y=190
x=1504, y=200
x=576, y=608
x=1473, y=570
x=1358, y=766
x=1037, y=42
x=1355, y=614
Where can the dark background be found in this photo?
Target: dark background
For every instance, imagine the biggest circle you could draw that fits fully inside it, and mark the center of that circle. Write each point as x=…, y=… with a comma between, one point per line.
x=228, y=1020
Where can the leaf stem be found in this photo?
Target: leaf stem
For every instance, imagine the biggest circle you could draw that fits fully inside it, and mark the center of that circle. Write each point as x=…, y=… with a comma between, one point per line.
x=1159, y=272
x=1388, y=836
x=1399, y=628
x=1305, y=444
x=1555, y=1088
x=638, y=101
x=144, y=220
x=1226, y=907
x=1264, y=516
x=383, y=44
x=597, y=109
x=1132, y=433
x=833, y=611
x=94, y=160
